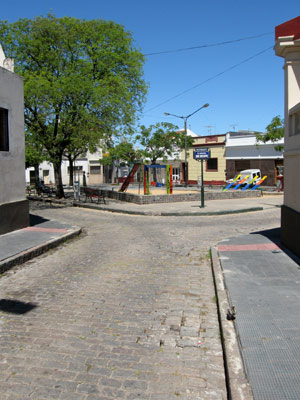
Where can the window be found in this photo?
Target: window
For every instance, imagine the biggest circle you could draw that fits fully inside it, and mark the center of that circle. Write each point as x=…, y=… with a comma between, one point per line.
x=295, y=124
x=212, y=164
x=4, y=144
x=77, y=169
x=95, y=169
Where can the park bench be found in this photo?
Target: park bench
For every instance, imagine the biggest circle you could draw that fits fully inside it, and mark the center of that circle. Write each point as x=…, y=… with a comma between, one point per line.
x=41, y=189
x=91, y=193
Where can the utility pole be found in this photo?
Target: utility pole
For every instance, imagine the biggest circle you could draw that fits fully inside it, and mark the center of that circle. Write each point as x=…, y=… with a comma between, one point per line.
x=185, y=118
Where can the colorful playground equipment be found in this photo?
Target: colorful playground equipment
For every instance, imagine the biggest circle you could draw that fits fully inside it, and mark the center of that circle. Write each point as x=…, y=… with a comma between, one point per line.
x=169, y=181
x=259, y=182
x=252, y=185
x=129, y=177
x=169, y=173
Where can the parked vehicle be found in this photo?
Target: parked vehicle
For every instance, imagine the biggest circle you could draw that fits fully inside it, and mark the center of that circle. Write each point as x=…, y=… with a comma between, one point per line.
x=250, y=174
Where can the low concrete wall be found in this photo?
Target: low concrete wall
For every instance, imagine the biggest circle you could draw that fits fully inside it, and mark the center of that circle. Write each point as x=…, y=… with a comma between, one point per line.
x=290, y=228
x=171, y=198
x=13, y=216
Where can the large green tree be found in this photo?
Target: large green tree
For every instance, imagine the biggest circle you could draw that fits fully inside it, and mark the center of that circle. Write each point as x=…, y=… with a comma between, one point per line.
x=78, y=75
x=115, y=155
x=274, y=133
x=161, y=141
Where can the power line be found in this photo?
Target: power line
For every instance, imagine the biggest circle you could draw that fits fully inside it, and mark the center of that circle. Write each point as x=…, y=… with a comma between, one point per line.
x=208, y=45
x=211, y=78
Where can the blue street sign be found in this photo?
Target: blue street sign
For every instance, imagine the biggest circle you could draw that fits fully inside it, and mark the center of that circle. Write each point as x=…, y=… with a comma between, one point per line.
x=201, y=154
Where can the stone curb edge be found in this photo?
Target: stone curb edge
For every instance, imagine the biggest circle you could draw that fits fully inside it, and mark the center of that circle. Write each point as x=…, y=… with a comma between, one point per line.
x=27, y=255
x=237, y=383
x=145, y=213
x=167, y=214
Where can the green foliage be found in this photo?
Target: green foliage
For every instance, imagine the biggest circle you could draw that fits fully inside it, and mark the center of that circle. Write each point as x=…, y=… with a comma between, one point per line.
x=274, y=132
x=34, y=153
x=83, y=81
x=122, y=152
x=161, y=140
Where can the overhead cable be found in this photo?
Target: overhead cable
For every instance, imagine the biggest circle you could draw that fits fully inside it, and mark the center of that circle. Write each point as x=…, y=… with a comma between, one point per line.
x=210, y=79
x=208, y=45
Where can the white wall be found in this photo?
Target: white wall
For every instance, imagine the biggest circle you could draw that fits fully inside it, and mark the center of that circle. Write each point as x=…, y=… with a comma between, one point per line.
x=91, y=159
x=244, y=147
x=12, y=162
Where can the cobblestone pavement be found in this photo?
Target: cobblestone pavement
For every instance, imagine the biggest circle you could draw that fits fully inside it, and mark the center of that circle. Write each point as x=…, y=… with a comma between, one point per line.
x=127, y=311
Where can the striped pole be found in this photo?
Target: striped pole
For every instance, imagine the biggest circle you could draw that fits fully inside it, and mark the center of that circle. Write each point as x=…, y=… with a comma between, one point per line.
x=168, y=178
x=241, y=182
x=235, y=179
x=259, y=182
x=250, y=183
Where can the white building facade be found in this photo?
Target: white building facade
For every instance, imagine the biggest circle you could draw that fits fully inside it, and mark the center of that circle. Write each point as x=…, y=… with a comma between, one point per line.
x=89, y=164
x=14, y=209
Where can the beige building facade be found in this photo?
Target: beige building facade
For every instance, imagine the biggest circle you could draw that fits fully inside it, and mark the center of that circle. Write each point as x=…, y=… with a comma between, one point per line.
x=288, y=46
x=214, y=169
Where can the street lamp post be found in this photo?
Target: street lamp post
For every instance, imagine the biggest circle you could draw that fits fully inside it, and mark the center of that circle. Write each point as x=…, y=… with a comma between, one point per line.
x=185, y=118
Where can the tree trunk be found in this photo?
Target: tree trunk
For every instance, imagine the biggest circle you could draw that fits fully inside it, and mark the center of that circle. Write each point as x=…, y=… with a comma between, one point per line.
x=153, y=162
x=36, y=174
x=59, y=190
x=117, y=174
x=71, y=169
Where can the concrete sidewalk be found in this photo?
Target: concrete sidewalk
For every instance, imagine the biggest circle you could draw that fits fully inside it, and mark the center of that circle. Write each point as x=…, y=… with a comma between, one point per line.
x=262, y=281
x=19, y=246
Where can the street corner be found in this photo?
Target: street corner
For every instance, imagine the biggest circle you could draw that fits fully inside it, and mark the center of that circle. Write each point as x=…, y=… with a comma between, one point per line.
x=20, y=246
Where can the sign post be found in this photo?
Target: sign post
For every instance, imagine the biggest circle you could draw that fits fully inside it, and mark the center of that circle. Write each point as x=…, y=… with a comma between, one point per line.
x=201, y=154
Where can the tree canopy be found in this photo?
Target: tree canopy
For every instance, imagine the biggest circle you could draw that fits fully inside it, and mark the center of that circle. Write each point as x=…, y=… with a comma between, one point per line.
x=83, y=81
x=161, y=141
x=274, y=132
x=122, y=152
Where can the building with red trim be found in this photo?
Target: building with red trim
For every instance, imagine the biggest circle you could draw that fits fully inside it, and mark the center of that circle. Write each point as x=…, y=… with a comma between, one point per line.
x=287, y=46
x=214, y=170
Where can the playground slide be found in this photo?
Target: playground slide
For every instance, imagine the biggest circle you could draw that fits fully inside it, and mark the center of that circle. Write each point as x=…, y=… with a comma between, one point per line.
x=128, y=179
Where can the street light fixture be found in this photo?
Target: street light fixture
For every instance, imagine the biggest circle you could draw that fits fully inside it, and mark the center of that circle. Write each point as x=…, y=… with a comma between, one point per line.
x=185, y=137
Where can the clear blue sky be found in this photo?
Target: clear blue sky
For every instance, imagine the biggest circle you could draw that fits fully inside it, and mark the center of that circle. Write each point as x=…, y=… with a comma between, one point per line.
x=247, y=96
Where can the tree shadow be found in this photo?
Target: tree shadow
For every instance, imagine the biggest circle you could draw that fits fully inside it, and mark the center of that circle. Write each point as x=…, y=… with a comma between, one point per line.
x=16, y=306
x=274, y=236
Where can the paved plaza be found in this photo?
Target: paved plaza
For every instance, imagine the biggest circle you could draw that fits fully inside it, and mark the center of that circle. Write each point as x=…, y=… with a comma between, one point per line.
x=125, y=311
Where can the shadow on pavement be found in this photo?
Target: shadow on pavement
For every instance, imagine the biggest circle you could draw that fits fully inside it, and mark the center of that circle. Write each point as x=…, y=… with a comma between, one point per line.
x=274, y=236
x=271, y=234
x=36, y=220
x=16, y=306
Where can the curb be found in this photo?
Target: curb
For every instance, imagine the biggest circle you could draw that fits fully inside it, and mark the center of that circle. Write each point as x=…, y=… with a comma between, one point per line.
x=144, y=213
x=166, y=214
x=26, y=255
x=236, y=379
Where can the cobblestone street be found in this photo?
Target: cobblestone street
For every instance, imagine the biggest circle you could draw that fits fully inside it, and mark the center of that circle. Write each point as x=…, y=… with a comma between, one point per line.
x=126, y=311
